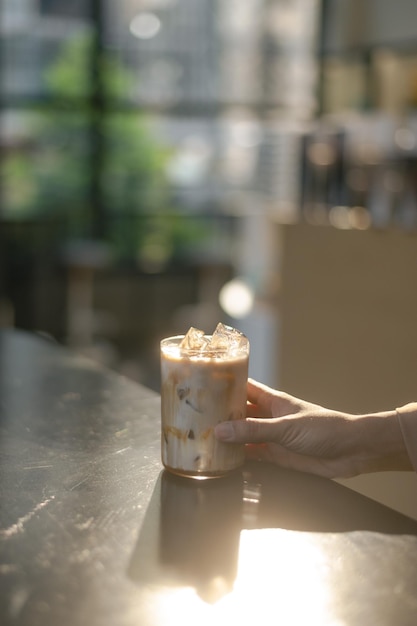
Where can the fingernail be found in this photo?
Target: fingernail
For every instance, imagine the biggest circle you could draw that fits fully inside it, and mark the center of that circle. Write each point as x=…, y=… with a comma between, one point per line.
x=225, y=431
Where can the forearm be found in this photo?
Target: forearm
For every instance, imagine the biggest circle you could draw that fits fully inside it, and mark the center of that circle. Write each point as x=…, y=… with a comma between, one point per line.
x=407, y=417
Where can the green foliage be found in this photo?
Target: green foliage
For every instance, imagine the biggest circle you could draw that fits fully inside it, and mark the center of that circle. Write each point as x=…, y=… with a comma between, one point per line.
x=53, y=178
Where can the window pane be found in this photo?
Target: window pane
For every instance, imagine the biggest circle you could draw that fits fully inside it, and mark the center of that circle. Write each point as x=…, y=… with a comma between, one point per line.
x=215, y=53
x=30, y=44
x=63, y=8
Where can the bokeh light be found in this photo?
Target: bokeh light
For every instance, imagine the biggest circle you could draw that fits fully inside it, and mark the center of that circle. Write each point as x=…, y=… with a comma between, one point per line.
x=236, y=298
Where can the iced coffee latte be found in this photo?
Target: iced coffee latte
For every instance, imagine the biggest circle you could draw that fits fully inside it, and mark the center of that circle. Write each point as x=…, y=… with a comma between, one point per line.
x=203, y=382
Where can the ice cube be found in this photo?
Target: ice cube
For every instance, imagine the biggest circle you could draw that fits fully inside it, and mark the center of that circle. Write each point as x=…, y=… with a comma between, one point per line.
x=227, y=339
x=194, y=340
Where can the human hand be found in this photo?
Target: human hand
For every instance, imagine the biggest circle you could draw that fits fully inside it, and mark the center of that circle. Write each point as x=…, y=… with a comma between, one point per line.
x=307, y=437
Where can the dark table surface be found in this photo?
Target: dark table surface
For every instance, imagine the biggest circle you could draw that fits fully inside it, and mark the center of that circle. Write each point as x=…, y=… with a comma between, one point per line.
x=94, y=532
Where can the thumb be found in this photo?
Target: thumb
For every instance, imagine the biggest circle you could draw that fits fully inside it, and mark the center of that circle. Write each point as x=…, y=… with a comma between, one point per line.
x=249, y=430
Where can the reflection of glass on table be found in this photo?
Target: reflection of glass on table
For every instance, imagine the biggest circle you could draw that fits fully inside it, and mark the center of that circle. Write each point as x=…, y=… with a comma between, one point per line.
x=200, y=526
x=192, y=531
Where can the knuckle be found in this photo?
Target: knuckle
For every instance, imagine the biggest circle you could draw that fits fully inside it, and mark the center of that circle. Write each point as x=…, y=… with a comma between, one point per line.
x=253, y=428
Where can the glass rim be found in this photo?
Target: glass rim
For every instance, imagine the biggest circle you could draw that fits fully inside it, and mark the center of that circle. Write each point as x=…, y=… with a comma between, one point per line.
x=175, y=340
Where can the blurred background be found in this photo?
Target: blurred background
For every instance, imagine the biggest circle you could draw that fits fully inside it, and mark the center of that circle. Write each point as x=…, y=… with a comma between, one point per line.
x=168, y=163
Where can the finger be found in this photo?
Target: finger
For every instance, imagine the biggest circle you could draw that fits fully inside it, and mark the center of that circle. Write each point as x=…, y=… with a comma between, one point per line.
x=253, y=410
x=261, y=395
x=250, y=430
x=271, y=402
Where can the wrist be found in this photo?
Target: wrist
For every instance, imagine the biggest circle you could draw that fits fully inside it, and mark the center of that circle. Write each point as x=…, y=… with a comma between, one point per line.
x=385, y=448
x=407, y=418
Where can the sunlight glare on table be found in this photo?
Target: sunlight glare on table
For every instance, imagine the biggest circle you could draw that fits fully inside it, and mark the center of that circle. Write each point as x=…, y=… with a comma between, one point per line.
x=282, y=578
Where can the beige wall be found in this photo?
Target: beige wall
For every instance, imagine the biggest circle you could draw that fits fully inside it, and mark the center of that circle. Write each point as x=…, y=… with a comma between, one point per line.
x=348, y=319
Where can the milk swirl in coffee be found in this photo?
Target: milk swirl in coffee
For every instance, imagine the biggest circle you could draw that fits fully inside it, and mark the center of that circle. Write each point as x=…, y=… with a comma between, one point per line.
x=203, y=382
